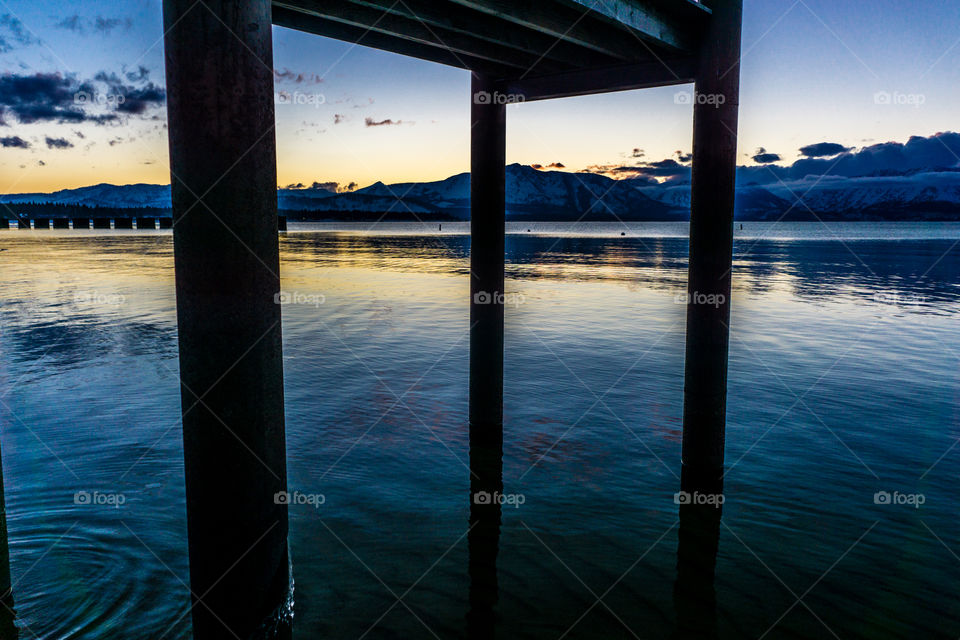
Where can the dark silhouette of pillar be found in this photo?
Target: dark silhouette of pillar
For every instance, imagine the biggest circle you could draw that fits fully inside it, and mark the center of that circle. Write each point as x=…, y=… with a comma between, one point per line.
x=694, y=592
x=483, y=540
x=81, y=223
x=101, y=223
x=4, y=223
x=281, y=223
x=123, y=223
x=487, y=227
x=711, y=241
x=147, y=223
x=41, y=223
x=219, y=69
x=61, y=223
x=165, y=223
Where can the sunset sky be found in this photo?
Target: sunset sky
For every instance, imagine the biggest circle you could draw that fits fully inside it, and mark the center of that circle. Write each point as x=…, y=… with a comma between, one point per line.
x=811, y=71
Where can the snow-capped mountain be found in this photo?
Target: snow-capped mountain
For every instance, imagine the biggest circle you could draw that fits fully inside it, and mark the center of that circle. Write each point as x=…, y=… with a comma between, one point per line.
x=533, y=194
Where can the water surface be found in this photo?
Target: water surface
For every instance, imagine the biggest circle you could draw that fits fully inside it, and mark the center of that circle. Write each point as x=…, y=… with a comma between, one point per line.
x=843, y=383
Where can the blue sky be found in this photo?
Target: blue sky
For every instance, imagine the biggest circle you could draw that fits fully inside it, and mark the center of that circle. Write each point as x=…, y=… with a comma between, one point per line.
x=811, y=72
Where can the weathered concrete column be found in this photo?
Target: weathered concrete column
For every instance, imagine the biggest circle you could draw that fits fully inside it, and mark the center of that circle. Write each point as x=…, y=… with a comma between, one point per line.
x=488, y=141
x=483, y=540
x=223, y=163
x=711, y=242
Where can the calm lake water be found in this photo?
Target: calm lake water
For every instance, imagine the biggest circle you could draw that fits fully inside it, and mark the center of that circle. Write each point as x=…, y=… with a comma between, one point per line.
x=843, y=383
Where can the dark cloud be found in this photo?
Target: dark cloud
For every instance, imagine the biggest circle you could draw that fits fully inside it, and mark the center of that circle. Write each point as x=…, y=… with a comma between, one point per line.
x=97, y=24
x=338, y=118
x=14, y=142
x=683, y=157
x=48, y=97
x=556, y=165
x=13, y=33
x=41, y=163
x=823, y=150
x=58, y=143
x=763, y=157
x=142, y=74
x=638, y=153
x=286, y=75
x=370, y=122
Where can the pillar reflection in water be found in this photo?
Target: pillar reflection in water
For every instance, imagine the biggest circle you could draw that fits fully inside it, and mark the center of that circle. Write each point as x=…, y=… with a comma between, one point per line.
x=694, y=593
x=486, y=484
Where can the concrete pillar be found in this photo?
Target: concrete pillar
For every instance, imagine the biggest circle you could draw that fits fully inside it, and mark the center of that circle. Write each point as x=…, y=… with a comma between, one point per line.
x=165, y=223
x=61, y=223
x=4, y=223
x=101, y=223
x=694, y=593
x=123, y=223
x=81, y=223
x=41, y=223
x=711, y=243
x=487, y=219
x=219, y=69
x=147, y=223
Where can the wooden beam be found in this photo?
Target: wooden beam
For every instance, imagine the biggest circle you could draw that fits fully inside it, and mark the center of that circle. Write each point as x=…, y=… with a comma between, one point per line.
x=646, y=19
x=562, y=23
x=486, y=27
x=290, y=17
x=406, y=28
x=643, y=75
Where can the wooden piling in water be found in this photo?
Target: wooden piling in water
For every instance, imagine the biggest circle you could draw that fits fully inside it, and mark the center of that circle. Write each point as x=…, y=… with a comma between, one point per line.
x=715, y=113
x=219, y=69
x=487, y=229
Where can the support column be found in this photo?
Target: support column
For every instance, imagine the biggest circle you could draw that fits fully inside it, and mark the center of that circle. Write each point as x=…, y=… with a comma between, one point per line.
x=487, y=220
x=219, y=68
x=716, y=105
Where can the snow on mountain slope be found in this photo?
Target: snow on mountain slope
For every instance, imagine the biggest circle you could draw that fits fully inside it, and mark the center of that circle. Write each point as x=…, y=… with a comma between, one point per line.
x=103, y=195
